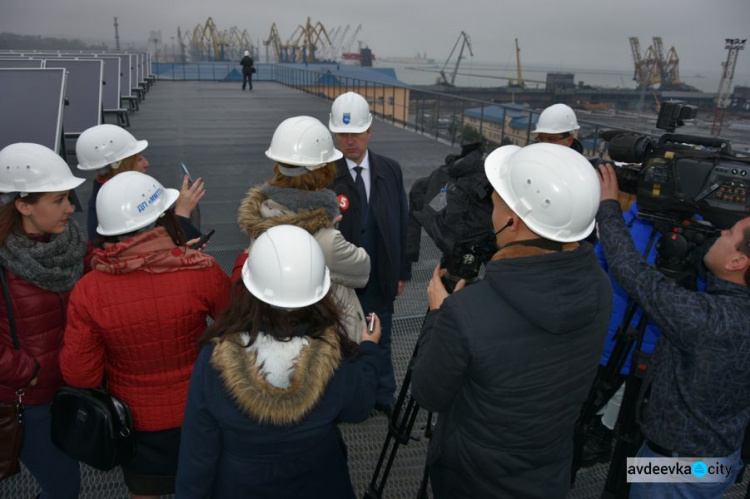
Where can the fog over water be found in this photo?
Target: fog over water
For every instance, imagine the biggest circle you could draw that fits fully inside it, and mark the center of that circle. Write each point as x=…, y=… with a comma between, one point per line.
x=587, y=38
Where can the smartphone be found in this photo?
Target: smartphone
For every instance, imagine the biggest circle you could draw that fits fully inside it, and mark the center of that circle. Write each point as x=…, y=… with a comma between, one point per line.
x=186, y=172
x=203, y=240
x=371, y=322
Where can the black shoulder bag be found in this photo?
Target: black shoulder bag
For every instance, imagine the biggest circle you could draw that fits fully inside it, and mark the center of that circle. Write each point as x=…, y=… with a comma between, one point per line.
x=93, y=427
x=11, y=415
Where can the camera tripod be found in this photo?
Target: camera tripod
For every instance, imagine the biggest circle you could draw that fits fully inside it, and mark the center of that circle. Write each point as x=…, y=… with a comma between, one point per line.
x=400, y=425
x=608, y=380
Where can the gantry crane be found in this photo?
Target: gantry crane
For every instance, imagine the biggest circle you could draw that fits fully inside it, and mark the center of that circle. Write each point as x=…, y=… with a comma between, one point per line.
x=465, y=41
x=207, y=42
x=654, y=68
x=306, y=40
x=348, y=44
x=723, y=96
x=274, y=40
x=519, y=75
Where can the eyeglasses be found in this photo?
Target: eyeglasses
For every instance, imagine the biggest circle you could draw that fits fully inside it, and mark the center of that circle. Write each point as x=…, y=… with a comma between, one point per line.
x=552, y=139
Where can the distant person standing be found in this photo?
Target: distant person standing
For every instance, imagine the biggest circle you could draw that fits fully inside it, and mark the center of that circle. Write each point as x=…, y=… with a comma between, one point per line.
x=248, y=68
x=370, y=189
x=557, y=125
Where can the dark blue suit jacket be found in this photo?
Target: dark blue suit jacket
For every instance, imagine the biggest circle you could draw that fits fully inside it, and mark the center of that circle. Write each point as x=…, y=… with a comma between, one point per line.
x=390, y=208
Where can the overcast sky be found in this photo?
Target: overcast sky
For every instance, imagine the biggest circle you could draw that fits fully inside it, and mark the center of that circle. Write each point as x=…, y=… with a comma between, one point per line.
x=559, y=34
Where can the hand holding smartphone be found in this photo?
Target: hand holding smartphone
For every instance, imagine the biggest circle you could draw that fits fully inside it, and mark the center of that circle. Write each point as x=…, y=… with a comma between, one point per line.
x=186, y=172
x=203, y=240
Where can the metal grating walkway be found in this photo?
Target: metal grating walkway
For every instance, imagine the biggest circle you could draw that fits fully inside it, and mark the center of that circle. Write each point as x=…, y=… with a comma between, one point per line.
x=221, y=133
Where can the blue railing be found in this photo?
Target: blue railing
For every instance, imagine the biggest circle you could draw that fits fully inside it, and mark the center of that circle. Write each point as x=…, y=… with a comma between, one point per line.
x=445, y=117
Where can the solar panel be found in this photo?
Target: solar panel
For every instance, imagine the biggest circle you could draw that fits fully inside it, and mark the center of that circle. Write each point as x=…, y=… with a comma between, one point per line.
x=137, y=70
x=110, y=79
x=83, y=108
x=126, y=75
x=20, y=63
x=31, y=105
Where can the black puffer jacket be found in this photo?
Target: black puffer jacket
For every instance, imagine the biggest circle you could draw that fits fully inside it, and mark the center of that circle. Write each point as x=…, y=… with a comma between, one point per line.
x=508, y=363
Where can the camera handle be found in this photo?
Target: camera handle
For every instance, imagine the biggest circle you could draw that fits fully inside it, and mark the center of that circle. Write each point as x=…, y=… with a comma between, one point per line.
x=717, y=143
x=400, y=425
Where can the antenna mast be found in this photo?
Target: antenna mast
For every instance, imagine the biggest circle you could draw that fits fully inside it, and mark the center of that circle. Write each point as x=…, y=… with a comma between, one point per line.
x=117, y=36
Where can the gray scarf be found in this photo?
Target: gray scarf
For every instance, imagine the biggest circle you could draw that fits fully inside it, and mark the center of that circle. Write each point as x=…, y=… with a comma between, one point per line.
x=54, y=266
x=301, y=199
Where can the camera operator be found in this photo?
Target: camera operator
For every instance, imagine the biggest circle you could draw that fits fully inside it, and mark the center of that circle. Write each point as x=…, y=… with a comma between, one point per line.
x=557, y=125
x=507, y=362
x=699, y=402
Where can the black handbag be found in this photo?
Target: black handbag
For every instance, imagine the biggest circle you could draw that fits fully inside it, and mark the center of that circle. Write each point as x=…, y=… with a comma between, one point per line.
x=93, y=427
x=11, y=415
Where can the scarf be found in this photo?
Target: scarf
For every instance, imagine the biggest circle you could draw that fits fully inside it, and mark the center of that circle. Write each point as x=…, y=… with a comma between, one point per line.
x=152, y=251
x=54, y=265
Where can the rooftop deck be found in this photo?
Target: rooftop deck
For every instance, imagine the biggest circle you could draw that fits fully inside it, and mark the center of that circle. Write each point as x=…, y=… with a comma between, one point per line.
x=221, y=134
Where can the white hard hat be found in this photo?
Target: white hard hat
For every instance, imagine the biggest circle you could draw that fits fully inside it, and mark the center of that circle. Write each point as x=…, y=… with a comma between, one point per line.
x=350, y=113
x=26, y=167
x=554, y=189
x=130, y=201
x=286, y=268
x=303, y=141
x=102, y=145
x=247, y=52
x=557, y=118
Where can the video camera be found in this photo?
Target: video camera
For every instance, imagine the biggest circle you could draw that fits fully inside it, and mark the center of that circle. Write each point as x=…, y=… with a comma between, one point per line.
x=683, y=175
x=456, y=213
x=678, y=177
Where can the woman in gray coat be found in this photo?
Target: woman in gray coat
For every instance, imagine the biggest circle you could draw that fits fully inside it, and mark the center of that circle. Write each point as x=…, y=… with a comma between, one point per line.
x=305, y=165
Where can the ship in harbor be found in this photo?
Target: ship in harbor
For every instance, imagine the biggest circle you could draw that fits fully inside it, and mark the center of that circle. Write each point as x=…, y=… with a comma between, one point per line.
x=420, y=58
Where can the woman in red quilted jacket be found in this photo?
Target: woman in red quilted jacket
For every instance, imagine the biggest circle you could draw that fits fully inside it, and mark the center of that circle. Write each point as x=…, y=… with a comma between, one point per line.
x=42, y=254
x=135, y=319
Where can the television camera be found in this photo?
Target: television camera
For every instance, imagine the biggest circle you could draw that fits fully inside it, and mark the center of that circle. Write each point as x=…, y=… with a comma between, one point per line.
x=688, y=186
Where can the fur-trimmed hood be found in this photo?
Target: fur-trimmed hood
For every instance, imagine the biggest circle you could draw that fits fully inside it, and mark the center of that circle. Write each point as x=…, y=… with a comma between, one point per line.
x=267, y=206
x=246, y=379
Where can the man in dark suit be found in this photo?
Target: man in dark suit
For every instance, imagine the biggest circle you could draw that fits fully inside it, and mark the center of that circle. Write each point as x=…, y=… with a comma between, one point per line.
x=375, y=211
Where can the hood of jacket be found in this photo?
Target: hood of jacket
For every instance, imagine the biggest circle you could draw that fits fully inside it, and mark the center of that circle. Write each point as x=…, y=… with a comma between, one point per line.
x=552, y=290
x=267, y=206
x=247, y=380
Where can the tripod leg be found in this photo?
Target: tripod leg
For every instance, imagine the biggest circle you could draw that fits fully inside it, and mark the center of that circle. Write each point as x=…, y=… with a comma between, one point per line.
x=398, y=433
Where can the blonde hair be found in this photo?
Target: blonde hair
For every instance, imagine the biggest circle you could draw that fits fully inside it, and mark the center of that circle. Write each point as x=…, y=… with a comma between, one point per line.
x=311, y=181
x=126, y=165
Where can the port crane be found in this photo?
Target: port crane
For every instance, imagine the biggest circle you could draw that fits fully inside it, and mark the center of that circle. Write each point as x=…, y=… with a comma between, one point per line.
x=465, y=42
x=724, y=95
x=653, y=67
x=348, y=43
x=306, y=40
x=207, y=40
x=274, y=40
x=519, y=75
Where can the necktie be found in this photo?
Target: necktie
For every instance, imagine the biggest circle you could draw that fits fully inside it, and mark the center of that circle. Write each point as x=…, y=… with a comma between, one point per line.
x=360, y=184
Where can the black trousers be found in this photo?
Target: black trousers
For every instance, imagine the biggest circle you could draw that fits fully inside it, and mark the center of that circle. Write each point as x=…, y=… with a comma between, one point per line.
x=247, y=78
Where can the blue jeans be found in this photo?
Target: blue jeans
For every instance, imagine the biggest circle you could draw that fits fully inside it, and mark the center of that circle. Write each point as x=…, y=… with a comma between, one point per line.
x=706, y=490
x=58, y=474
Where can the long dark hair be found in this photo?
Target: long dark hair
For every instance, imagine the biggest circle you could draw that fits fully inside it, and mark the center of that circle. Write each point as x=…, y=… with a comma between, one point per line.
x=248, y=314
x=11, y=218
x=168, y=220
